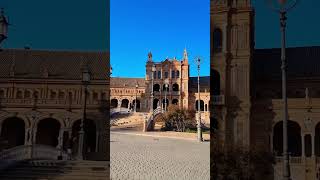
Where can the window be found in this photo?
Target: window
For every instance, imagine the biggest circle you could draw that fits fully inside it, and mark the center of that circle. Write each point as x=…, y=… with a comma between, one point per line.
x=166, y=74
x=178, y=74
x=173, y=74
x=154, y=74
x=217, y=40
x=159, y=74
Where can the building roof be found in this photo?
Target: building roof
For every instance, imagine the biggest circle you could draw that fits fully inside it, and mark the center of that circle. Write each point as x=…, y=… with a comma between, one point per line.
x=35, y=64
x=303, y=62
x=127, y=82
x=204, y=84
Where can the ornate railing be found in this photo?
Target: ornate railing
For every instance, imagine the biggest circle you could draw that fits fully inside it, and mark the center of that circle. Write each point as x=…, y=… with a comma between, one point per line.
x=31, y=102
x=293, y=160
x=37, y=151
x=218, y=100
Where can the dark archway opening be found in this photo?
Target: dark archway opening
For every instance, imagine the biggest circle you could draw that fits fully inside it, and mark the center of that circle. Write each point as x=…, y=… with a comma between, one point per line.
x=175, y=101
x=13, y=132
x=89, y=136
x=217, y=40
x=48, y=132
x=215, y=82
x=125, y=103
x=138, y=104
x=155, y=103
x=294, y=142
x=114, y=103
x=175, y=87
x=201, y=105
x=156, y=88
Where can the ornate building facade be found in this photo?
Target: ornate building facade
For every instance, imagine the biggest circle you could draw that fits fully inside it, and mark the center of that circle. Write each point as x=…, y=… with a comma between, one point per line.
x=249, y=81
x=42, y=97
x=170, y=82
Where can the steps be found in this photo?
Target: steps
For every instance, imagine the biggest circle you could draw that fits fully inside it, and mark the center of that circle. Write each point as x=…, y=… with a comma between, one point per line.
x=132, y=119
x=57, y=170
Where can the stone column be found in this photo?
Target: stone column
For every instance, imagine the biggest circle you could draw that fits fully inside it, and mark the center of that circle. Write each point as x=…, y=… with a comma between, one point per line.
x=60, y=138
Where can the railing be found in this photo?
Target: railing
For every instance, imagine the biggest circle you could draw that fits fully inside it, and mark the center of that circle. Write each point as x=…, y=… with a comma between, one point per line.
x=218, y=100
x=31, y=102
x=293, y=160
x=36, y=151
x=157, y=111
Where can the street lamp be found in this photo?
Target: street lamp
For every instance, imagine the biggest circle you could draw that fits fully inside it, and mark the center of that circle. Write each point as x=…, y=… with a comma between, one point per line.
x=85, y=82
x=166, y=87
x=199, y=130
x=3, y=26
x=282, y=7
x=135, y=102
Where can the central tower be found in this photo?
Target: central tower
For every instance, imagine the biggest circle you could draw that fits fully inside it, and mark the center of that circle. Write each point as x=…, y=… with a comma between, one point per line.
x=232, y=44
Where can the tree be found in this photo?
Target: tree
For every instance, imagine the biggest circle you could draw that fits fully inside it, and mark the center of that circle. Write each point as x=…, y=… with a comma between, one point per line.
x=178, y=119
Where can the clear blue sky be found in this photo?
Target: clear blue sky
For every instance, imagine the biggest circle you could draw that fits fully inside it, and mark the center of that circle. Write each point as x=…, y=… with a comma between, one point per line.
x=58, y=24
x=164, y=27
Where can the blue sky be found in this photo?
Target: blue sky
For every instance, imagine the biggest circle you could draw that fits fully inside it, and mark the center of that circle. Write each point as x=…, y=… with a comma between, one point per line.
x=58, y=24
x=164, y=27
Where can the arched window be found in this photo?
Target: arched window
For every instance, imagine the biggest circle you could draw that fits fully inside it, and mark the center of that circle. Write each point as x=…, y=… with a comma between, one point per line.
x=201, y=105
x=27, y=94
x=164, y=88
x=156, y=88
x=155, y=75
x=19, y=94
x=175, y=87
x=53, y=95
x=166, y=74
x=215, y=82
x=159, y=74
x=178, y=74
x=173, y=73
x=217, y=40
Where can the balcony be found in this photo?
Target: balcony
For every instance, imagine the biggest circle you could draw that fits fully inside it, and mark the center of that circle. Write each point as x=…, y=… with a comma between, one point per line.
x=218, y=100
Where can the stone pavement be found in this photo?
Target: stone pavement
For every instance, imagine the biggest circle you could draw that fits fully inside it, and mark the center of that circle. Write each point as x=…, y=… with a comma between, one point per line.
x=136, y=157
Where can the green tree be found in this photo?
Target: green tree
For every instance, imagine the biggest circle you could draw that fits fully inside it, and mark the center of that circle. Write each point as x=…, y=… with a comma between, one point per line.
x=179, y=119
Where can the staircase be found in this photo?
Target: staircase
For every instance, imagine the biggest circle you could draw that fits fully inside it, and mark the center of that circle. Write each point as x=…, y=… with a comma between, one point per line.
x=57, y=170
x=132, y=120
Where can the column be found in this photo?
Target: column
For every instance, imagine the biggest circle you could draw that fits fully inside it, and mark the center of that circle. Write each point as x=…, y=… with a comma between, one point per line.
x=27, y=136
x=119, y=104
x=60, y=139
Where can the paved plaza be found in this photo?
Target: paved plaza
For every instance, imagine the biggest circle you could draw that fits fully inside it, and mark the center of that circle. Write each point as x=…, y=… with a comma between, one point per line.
x=138, y=157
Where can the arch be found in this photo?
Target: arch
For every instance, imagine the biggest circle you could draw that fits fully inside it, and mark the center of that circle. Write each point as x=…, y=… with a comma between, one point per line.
x=175, y=101
x=155, y=103
x=156, y=88
x=89, y=135
x=27, y=94
x=13, y=131
x=114, y=103
x=164, y=87
x=53, y=95
x=165, y=102
x=215, y=82
x=48, y=132
x=217, y=40
x=175, y=87
x=201, y=105
x=294, y=142
x=125, y=103
x=138, y=104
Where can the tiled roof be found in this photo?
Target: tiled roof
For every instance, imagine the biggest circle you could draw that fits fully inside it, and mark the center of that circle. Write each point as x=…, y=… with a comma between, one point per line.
x=57, y=64
x=204, y=83
x=303, y=62
x=127, y=82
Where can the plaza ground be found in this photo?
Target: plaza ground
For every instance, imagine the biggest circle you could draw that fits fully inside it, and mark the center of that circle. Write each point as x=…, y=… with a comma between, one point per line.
x=150, y=156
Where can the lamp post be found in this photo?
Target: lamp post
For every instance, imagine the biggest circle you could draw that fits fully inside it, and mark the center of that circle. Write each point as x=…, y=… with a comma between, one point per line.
x=135, y=101
x=166, y=84
x=282, y=7
x=3, y=26
x=85, y=82
x=199, y=130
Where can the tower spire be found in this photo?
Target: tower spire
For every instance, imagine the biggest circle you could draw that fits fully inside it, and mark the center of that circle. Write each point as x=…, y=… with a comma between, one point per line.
x=185, y=54
x=149, y=56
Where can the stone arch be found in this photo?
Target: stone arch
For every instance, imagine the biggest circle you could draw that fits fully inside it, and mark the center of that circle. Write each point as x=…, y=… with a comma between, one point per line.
x=125, y=103
x=175, y=87
x=201, y=105
x=156, y=88
x=13, y=131
x=294, y=142
x=89, y=135
x=48, y=132
x=215, y=82
x=114, y=103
